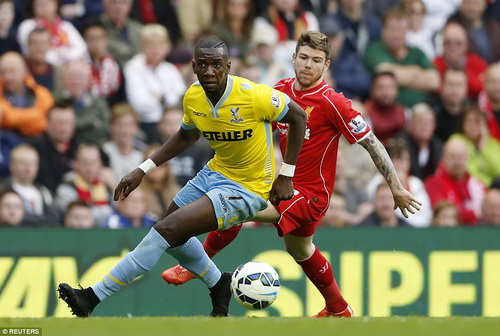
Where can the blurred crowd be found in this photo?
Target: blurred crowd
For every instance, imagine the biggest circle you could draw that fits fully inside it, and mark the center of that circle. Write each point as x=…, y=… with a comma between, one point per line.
x=90, y=88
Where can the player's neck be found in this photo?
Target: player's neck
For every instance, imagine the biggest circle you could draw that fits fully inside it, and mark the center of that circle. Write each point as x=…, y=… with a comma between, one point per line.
x=302, y=87
x=215, y=96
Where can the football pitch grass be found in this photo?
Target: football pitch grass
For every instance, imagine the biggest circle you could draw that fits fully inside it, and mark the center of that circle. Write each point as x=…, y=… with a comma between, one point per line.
x=243, y=326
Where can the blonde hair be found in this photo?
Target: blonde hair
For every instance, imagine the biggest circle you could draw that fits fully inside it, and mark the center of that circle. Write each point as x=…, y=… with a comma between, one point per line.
x=14, y=153
x=421, y=109
x=154, y=30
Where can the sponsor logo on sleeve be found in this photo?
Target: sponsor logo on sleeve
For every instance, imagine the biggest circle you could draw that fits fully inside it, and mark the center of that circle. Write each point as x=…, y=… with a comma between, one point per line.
x=275, y=100
x=357, y=125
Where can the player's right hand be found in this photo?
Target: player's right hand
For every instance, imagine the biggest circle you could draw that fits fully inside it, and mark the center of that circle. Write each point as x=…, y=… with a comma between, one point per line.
x=282, y=190
x=128, y=183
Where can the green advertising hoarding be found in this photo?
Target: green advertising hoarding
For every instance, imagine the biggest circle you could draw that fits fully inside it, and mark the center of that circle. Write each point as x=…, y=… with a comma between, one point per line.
x=381, y=272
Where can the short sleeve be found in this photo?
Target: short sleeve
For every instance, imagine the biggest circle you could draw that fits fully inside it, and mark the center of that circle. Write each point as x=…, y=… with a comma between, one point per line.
x=187, y=123
x=349, y=121
x=270, y=104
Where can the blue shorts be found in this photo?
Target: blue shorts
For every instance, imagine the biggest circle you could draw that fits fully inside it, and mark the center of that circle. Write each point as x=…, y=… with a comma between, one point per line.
x=232, y=202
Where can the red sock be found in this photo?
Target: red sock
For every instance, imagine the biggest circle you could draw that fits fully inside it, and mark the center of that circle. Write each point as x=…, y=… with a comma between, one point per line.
x=217, y=240
x=320, y=272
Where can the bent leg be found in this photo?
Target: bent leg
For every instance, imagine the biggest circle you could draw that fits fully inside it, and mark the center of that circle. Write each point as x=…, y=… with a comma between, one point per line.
x=300, y=248
x=188, y=221
x=179, y=229
x=176, y=228
x=218, y=240
x=268, y=215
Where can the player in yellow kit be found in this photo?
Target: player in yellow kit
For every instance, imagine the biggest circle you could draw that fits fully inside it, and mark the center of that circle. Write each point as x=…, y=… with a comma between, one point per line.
x=235, y=116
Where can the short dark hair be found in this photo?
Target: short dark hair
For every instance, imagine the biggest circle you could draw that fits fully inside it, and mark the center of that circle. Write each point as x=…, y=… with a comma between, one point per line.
x=93, y=23
x=396, y=147
x=396, y=12
x=61, y=105
x=377, y=75
x=212, y=42
x=77, y=203
x=74, y=204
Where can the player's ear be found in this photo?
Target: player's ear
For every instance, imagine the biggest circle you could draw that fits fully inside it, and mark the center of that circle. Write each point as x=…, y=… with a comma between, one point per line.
x=327, y=65
x=294, y=56
x=193, y=64
x=228, y=67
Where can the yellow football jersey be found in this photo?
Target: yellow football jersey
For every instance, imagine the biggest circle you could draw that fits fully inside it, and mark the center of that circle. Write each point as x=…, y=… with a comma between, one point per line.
x=239, y=130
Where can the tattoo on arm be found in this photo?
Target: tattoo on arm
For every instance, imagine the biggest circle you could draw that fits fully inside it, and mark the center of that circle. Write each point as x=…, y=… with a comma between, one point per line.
x=382, y=161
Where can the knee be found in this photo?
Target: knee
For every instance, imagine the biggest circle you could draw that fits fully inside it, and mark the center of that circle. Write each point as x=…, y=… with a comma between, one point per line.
x=299, y=251
x=168, y=228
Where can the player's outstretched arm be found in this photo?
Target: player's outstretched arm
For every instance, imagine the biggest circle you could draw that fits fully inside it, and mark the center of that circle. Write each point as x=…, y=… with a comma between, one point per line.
x=403, y=199
x=178, y=143
x=296, y=118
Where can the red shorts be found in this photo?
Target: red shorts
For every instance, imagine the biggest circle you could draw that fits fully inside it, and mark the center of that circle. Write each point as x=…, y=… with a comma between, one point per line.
x=298, y=217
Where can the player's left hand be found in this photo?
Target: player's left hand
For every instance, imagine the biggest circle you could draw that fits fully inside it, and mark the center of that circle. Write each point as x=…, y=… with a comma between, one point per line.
x=405, y=201
x=282, y=190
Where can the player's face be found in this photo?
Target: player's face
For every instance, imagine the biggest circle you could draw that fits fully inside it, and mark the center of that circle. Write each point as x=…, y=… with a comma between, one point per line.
x=211, y=66
x=309, y=65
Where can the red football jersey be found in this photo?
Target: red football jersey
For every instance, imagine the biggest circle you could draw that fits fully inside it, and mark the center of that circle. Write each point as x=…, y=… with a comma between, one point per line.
x=329, y=115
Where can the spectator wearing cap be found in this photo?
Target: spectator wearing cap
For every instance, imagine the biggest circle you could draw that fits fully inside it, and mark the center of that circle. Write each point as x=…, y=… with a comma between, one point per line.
x=350, y=75
x=263, y=47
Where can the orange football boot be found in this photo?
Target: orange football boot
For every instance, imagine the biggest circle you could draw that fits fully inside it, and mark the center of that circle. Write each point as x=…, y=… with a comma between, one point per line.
x=348, y=312
x=177, y=275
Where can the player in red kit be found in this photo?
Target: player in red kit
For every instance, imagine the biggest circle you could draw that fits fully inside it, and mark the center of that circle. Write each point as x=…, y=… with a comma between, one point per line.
x=330, y=115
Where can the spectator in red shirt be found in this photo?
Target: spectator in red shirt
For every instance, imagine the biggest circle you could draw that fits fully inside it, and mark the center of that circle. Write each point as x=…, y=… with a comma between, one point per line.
x=455, y=56
x=453, y=183
x=489, y=99
x=482, y=31
x=387, y=116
